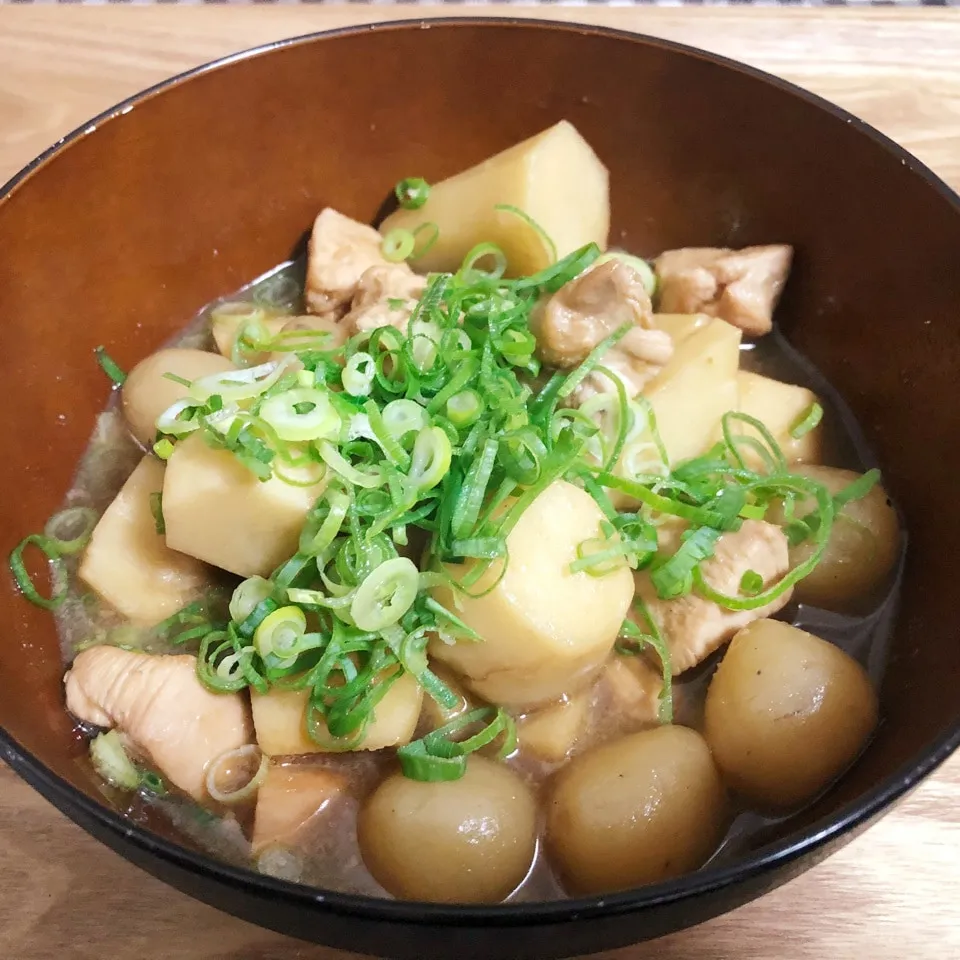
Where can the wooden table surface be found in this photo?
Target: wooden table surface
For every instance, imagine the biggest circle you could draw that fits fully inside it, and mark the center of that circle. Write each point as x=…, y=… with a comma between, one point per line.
x=893, y=893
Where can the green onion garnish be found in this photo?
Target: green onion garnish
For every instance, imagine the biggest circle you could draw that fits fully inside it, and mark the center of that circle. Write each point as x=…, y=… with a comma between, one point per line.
x=633, y=641
x=412, y=192
x=110, y=367
x=438, y=757
x=398, y=245
x=156, y=508
x=65, y=534
x=436, y=436
x=807, y=421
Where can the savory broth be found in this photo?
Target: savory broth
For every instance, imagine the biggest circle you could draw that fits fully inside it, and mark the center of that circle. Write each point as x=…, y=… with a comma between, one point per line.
x=327, y=853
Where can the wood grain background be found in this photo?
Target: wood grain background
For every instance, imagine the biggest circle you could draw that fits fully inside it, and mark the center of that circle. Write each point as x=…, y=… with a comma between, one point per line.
x=892, y=894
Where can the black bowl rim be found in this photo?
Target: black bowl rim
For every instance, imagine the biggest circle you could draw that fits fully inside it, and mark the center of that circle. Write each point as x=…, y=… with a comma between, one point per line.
x=817, y=836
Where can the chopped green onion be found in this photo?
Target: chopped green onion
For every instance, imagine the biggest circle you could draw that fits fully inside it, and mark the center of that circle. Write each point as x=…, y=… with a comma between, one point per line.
x=248, y=596
x=401, y=417
x=111, y=762
x=635, y=640
x=279, y=632
x=856, y=490
x=674, y=576
x=397, y=245
x=428, y=244
x=437, y=757
x=751, y=583
x=224, y=767
x=70, y=529
x=300, y=414
x=412, y=192
x=431, y=458
x=464, y=408
x=58, y=571
x=238, y=385
x=152, y=784
x=385, y=595
x=358, y=373
x=163, y=448
x=530, y=222
x=156, y=509
x=110, y=367
x=807, y=421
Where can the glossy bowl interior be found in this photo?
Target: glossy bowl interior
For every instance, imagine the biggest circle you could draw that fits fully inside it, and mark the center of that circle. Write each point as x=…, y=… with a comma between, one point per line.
x=119, y=235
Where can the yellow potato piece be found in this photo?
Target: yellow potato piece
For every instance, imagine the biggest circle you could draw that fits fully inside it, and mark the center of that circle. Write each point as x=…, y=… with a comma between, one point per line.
x=278, y=717
x=225, y=325
x=643, y=808
x=778, y=406
x=546, y=631
x=680, y=325
x=217, y=510
x=289, y=798
x=129, y=564
x=147, y=392
x=553, y=732
x=554, y=177
x=695, y=389
x=786, y=713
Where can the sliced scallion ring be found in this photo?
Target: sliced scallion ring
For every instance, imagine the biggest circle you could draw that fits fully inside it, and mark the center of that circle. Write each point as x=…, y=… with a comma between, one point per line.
x=247, y=595
x=386, y=594
x=401, y=417
x=238, y=385
x=279, y=633
x=431, y=458
x=358, y=374
x=246, y=766
x=301, y=414
x=71, y=529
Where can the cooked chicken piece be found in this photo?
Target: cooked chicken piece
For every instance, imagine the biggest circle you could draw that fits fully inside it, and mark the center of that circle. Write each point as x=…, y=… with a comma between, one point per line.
x=288, y=799
x=386, y=296
x=569, y=324
x=739, y=286
x=693, y=626
x=634, y=361
x=634, y=687
x=340, y=251
x=161, y=707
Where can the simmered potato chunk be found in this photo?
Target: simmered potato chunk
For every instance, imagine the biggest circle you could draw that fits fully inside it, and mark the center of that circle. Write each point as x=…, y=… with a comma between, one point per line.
x=695, y=389
x=636, y=810
x=553, y=732
x=786, y=713
x=545, y=630
x=147, y=392
x=861, y=552
x=217, y=510
x=279, y=719
x=778, y=406
x=555, y=178
x=129, y=564
x=463, y=841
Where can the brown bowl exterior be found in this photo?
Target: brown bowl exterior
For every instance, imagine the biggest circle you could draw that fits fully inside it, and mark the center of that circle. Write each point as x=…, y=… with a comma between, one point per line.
x=118, y=235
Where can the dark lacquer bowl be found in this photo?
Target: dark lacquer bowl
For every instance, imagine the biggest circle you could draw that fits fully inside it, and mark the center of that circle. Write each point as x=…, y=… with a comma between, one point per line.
x=123, y=231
